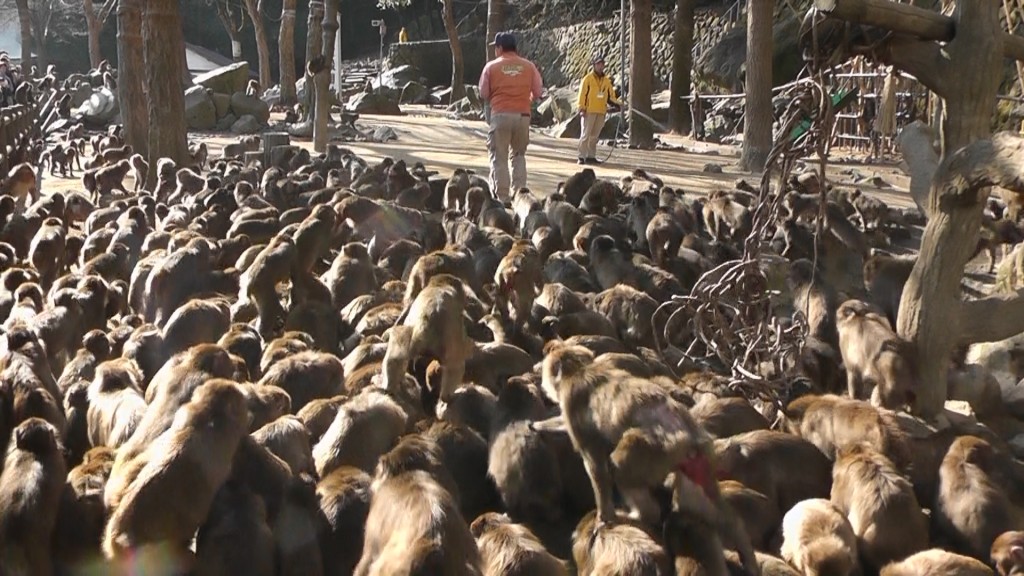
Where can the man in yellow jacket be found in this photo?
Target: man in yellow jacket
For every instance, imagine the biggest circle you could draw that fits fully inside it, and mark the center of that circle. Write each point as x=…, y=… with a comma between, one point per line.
x=595, y=93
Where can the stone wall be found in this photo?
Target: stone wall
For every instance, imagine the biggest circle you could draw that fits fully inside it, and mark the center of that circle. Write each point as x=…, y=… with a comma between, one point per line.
x=562, y=54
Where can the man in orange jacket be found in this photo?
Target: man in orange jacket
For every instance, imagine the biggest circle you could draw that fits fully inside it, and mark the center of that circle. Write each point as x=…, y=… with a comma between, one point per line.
x=509, y=84
x=595, y=93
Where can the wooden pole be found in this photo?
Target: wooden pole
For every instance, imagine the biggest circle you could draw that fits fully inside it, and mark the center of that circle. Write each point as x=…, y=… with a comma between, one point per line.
x=907, y=19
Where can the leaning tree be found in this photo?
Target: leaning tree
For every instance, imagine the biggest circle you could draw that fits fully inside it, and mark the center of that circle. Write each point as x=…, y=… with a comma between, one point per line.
x=95, y=18
x=255, y=10
x=458, y=91
x=960, y=59
x=321, y=69
x=286, y=51
x=682, y=66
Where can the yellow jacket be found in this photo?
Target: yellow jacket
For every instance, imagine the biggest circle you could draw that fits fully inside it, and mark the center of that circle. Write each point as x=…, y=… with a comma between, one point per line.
x=403, y=36
x=595, y=93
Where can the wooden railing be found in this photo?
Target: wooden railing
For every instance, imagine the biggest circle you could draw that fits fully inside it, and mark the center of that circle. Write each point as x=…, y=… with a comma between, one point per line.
x=17, y=125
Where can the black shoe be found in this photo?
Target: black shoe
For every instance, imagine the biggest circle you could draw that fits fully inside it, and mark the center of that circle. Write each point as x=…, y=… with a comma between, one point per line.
x=593, y=161
x=581, y=161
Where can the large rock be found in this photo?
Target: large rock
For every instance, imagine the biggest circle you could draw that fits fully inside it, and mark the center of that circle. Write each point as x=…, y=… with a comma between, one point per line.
x=222, y=102
x=242, y=105
x=397, y=77
x=571, y=127
x=200, y=111
x=227, y=79
x=80, y=95
x=100, y=108
x=559, y=105
x=247, y=124
x=385, y=103
x=415, y=93
x=224, y=124
x=724, y=63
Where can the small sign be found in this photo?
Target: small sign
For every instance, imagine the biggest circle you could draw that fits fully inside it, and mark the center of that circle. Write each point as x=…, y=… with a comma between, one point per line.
x=377, y=23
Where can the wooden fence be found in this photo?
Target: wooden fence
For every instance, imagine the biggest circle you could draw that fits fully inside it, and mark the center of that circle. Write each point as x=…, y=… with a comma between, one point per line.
x=17, y=125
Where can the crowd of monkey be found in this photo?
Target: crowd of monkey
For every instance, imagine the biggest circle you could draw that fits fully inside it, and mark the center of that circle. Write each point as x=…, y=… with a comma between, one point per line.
x=329, y=366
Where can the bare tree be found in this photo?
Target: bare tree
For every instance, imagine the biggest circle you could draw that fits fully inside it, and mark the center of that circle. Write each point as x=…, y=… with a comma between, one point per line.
x=495, y=24
x=679, y=118
x=163, y=50
x=255, y=10
x=641, y=75
x=131, y=85
x=452, y=28
x=227, y=18
x=757, y=123
x=959, y=58
x=25, y=20
x=286, y=51
x=314, y=55
x=95, y=18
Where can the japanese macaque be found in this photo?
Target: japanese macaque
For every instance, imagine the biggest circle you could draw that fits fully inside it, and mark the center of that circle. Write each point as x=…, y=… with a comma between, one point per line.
x=21, y=184
x=1008, y=553
x=431, y=324
x=105, y=180
x=509, y=549
x=252, y=89
x=879, y=364
x=722, y=211
x=140, y=171
x=936, y=562
x=632, y=434
x=818, y=539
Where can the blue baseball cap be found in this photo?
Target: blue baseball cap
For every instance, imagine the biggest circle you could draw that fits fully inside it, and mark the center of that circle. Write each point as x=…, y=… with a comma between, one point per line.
x=504, y=39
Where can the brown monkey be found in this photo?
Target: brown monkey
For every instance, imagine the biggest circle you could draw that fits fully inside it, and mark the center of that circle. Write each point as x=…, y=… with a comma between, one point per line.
x=664, y=236
x=235, y=538
x=116, y=404
x=936, y=562
x=169, y=496
x=31, y=485
x=763, y=460
x=577, y=185
x=879, y=364
x=259, y=283
x=344, y=497
x=252, y=89
x=509, y=549
x=869, y=210
x=414, y=527
x=619, y=548
x=140, y=171
x=520, y=276
x=760, y=515
x=431, y=324
x=971, y=508
x=725, y=417
x=21, y=184
x=364, y=428
x=818, y=539
x=722, y=210
x=814, y=300
x=46, y=253
x=649, y=435
x=884, y=278
x=1008, y=553
x=104, y=180
x=880, y=504
x=199, y=153
x=522, y=464
x=602, y=198
x=288, y=439
x=306, y=376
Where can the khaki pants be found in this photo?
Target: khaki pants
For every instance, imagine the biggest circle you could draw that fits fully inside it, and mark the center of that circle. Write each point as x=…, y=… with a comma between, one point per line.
x=589, y=133
x=507, y=138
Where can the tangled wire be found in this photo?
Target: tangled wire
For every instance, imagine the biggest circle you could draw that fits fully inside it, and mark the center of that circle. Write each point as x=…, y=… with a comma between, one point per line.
x=728, y=313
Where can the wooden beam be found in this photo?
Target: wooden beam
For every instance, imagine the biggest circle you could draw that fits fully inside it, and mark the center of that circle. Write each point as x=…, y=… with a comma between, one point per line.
x=906, y=19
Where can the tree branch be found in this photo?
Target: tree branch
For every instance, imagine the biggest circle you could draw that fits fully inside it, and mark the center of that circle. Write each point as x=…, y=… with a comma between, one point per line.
x=106, y=9
x=993, y=318
x=922, y=59
x=915, y=143
x=966, y=175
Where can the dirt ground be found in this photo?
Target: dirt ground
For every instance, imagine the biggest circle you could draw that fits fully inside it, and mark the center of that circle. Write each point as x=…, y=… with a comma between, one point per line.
x=425, y=135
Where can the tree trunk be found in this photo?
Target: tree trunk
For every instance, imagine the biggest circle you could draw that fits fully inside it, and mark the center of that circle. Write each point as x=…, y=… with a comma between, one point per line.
x=495, y=24
x=314, y=49
x=131, y=86
x=679, y=118
x=458, y=85
x=286, y=52
x=39, y=38
x=93, y=27
x=757, y=122
x=641, y=74
x=262, y=45
x=25, y=20
x=972, y=72
x=162, y=50
x=321, y=81
x=227, y=19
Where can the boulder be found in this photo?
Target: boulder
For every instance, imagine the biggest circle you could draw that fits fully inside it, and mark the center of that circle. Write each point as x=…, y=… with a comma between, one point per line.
x=222, y=102
x=226, y=79
x=242, y=105
x=247, y=124
x=571, y=128
x=224, y=124
x=384, y=134
x=723, y=64
x=383, y=102
x=272, y=96
x=559, y=105
x=398, y=77
x=80, y=95
x=414, y=93
x=301, y=129
x=100, y=108
x=200, y=111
